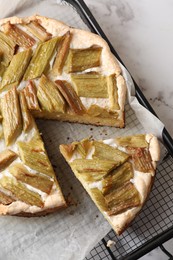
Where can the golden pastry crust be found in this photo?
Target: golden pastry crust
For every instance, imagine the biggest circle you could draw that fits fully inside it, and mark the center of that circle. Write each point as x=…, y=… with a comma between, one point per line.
x=38, y=214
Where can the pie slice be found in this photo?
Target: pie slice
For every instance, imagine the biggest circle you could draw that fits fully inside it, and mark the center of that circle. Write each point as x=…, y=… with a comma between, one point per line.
x=28, y=184
x=117, y=174
x=65, y=73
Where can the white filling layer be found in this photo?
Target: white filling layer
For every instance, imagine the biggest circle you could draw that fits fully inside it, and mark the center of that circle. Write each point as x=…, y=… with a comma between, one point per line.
x=101, y=102
x=97, y=184
x=110, y=142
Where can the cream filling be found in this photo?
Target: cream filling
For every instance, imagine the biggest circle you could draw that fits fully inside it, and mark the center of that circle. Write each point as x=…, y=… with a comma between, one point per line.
x=97, y=184
x=112, y=143
x=101, y=102
x=75, y=156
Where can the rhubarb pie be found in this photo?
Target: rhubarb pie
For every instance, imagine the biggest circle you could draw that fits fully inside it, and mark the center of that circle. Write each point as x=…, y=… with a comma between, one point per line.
x=48, y=70
x=52, y=71
x=65, y=73
x=117, y=174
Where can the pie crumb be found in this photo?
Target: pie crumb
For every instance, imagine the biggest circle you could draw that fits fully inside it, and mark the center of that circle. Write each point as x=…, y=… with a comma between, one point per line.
x=110, y=243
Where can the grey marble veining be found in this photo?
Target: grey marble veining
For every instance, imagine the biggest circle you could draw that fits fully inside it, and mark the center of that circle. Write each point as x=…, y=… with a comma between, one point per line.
x=142, y=34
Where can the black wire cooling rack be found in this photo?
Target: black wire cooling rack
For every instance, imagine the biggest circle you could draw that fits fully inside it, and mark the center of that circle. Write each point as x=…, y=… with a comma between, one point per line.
x=154, y=225
x=151, y=228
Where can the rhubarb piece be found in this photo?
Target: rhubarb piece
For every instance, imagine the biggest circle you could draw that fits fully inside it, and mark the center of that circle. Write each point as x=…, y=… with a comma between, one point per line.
x=67, y=150
x=6, y=158
x=121, y=199
x=80, y=148
x=7, y=47
x=82, y=59
x=20, y=191
x=1, y=133
x=40, y=59
x=1, y=56
x=38, y=181
x=12, y=123
x=97, y=111
x=132, y=141
x=30, y=93
x=5, y=199
x=2, y=67
x=83, y=147
x=38, y=31
x=92, y=170
x=49, y=96
x=2, y=70
x=142, y=160
x=37, y=142
x=19, y=36
x=26, y=116
x=33, y=155
x=113, y=92
x=117, y=178
x=63, y=49
x=16, y=68
x=70, y=96
x=99, y=199
x=90, y=85
x=104, y=151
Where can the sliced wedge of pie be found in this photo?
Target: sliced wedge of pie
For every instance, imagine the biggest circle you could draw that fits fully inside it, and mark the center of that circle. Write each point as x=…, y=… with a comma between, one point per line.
x=28, y=185
x=117, y=173
x=65, y=73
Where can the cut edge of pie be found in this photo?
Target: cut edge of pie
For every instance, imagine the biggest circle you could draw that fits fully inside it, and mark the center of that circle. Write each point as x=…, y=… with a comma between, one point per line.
x=118, y=174
x=78, y=64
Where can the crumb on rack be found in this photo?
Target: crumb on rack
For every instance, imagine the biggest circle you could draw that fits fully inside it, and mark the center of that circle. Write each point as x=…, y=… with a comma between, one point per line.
x=110, y=243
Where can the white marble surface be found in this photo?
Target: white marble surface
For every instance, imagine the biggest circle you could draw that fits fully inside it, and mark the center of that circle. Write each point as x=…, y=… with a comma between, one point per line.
x=142, y=33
